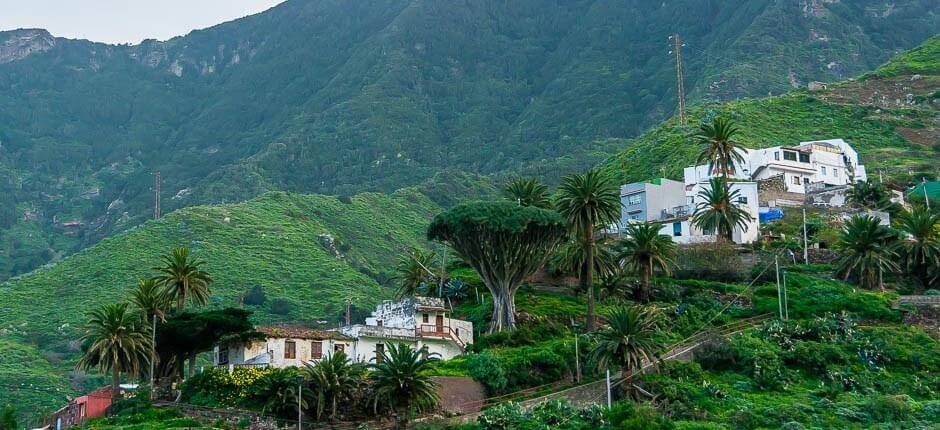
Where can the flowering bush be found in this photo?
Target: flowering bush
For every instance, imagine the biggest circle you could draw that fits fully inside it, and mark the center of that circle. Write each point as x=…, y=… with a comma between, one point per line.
x=219, y=388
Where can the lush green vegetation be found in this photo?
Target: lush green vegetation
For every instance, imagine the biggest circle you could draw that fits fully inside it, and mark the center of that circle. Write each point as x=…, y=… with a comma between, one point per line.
x=335, y=98
x=310, y=252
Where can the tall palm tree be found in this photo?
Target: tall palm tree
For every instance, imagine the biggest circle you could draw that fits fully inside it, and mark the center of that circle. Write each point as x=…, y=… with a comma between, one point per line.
x=414, y=272
x=334, y=380
x=528, y=192
x=588, y=201
x=572, y=255
x=867, y=249
x=717, y=212
x=719, y=149
x=401, y=382
x=921, y=250
x=645, y=250
x=115, y=340
x=627, y=341
x=184, y=278
x=153, y=302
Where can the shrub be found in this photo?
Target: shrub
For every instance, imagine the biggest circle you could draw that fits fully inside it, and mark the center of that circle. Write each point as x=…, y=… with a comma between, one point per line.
x=627, y=416
x=506, y=416
x=887, y=408
x=281, y=306
x=816, y=356
x=761, y=359
x=717, y=262
x=716, y=354
x=487, y=370
x=255, y=296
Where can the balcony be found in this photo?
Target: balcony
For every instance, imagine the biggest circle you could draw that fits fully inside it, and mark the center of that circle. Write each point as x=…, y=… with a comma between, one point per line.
x=677, y=212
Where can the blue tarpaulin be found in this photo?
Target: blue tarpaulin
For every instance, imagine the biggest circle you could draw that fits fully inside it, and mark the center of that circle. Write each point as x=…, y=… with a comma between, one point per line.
x=769, y=215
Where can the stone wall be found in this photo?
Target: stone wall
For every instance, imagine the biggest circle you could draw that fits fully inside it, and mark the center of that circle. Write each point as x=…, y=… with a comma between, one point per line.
x=773, y=192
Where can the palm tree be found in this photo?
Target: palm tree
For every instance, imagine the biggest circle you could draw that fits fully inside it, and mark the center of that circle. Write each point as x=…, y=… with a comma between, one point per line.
x=414, y=272
x=719, y=149
x=183, y=277
x=401, y=381
x=645, y=250
x=922, y=248
x=115, y=340
x=587, y=201
x=867, y=195
x=571, y=256
x=528, y=192
x=867, y=249
x=717, y=212
x=334, y=380
x=628, y=341
x=153, y=302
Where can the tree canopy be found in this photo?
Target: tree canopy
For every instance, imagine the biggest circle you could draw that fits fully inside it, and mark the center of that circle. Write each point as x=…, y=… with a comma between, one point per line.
x=504, y=242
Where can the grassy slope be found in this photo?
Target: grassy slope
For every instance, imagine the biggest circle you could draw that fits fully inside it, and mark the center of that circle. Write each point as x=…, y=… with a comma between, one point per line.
x=881, y=132
x=272, y=241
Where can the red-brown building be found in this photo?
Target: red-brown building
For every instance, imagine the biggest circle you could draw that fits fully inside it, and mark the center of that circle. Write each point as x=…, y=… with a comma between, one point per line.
x=81, y=409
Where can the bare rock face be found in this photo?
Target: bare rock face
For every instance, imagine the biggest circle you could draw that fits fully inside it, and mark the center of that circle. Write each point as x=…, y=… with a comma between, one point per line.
x=19, y=44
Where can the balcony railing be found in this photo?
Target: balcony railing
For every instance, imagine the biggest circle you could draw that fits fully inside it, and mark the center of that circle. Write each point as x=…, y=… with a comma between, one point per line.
x=677, y=212
x=439, y=331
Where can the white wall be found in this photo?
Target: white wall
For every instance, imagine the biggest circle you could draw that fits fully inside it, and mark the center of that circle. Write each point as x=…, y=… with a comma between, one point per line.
x=239, y=354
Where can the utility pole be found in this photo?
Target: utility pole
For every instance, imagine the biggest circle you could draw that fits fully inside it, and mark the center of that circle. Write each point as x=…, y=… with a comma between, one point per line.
x=779, y=292
x=805, y=242
x=347, y=318
x=608, y=388
x=786, y=310
x=577, y=361
x=923, y=182
x=300, y=411
x=156, y=195
x=680, y=85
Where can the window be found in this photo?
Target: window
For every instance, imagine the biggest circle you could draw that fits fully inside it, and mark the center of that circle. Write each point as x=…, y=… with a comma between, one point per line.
x=424, y=318
x=742, y=200
x=339, y=347
x=804, y=158
x=777, y=156
x=822, y=170
x=316, y=350
x=457, y=331
x=379, y=353
x=835, y=173
x=789, y=155
x=223, y=355
x=677, y=229
x=796, y=180
x=290, y=349
x=378, y=323
x=635, y=199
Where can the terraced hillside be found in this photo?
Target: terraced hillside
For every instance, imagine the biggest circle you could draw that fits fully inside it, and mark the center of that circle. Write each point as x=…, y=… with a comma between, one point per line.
x=309, y=253
x=892, y=116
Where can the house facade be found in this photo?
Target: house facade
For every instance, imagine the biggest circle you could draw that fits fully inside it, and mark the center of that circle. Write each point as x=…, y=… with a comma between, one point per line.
x=677, y=222
x=421, y=322
x=821, y=164
x=283, y=346
x=80, y=409
x=650, y=201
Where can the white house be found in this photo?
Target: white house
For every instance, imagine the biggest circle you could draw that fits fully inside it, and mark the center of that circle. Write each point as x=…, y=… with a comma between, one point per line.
x=283, y=346
x=676, y=221
x=421, y=322
x=825, y=163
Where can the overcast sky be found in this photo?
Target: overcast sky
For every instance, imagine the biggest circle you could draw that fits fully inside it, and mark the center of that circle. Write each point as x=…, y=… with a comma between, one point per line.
x=122, y=21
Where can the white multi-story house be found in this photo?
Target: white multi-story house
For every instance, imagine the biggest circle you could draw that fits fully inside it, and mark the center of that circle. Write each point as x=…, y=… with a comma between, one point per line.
x=424, y=323
x=823, y=163
x=677, y=221
x=650, y=201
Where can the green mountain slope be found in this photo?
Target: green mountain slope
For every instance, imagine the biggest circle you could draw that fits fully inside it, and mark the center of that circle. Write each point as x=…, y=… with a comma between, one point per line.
x=889, y=115
x=338, y=97
x=312, y=251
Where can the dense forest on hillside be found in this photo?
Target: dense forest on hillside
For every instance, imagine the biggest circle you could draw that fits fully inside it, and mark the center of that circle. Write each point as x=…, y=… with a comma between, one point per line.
x=339, y=97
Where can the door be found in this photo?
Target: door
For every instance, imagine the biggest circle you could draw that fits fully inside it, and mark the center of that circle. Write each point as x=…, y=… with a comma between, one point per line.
x=439, y=323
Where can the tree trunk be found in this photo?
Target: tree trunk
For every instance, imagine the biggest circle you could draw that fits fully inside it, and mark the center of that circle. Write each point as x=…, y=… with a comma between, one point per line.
x=153, y=356
x=192, y=364
x=180, y=299
x=504, y=310
x=587, y=277
x=645, y=282
x=115, y=382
